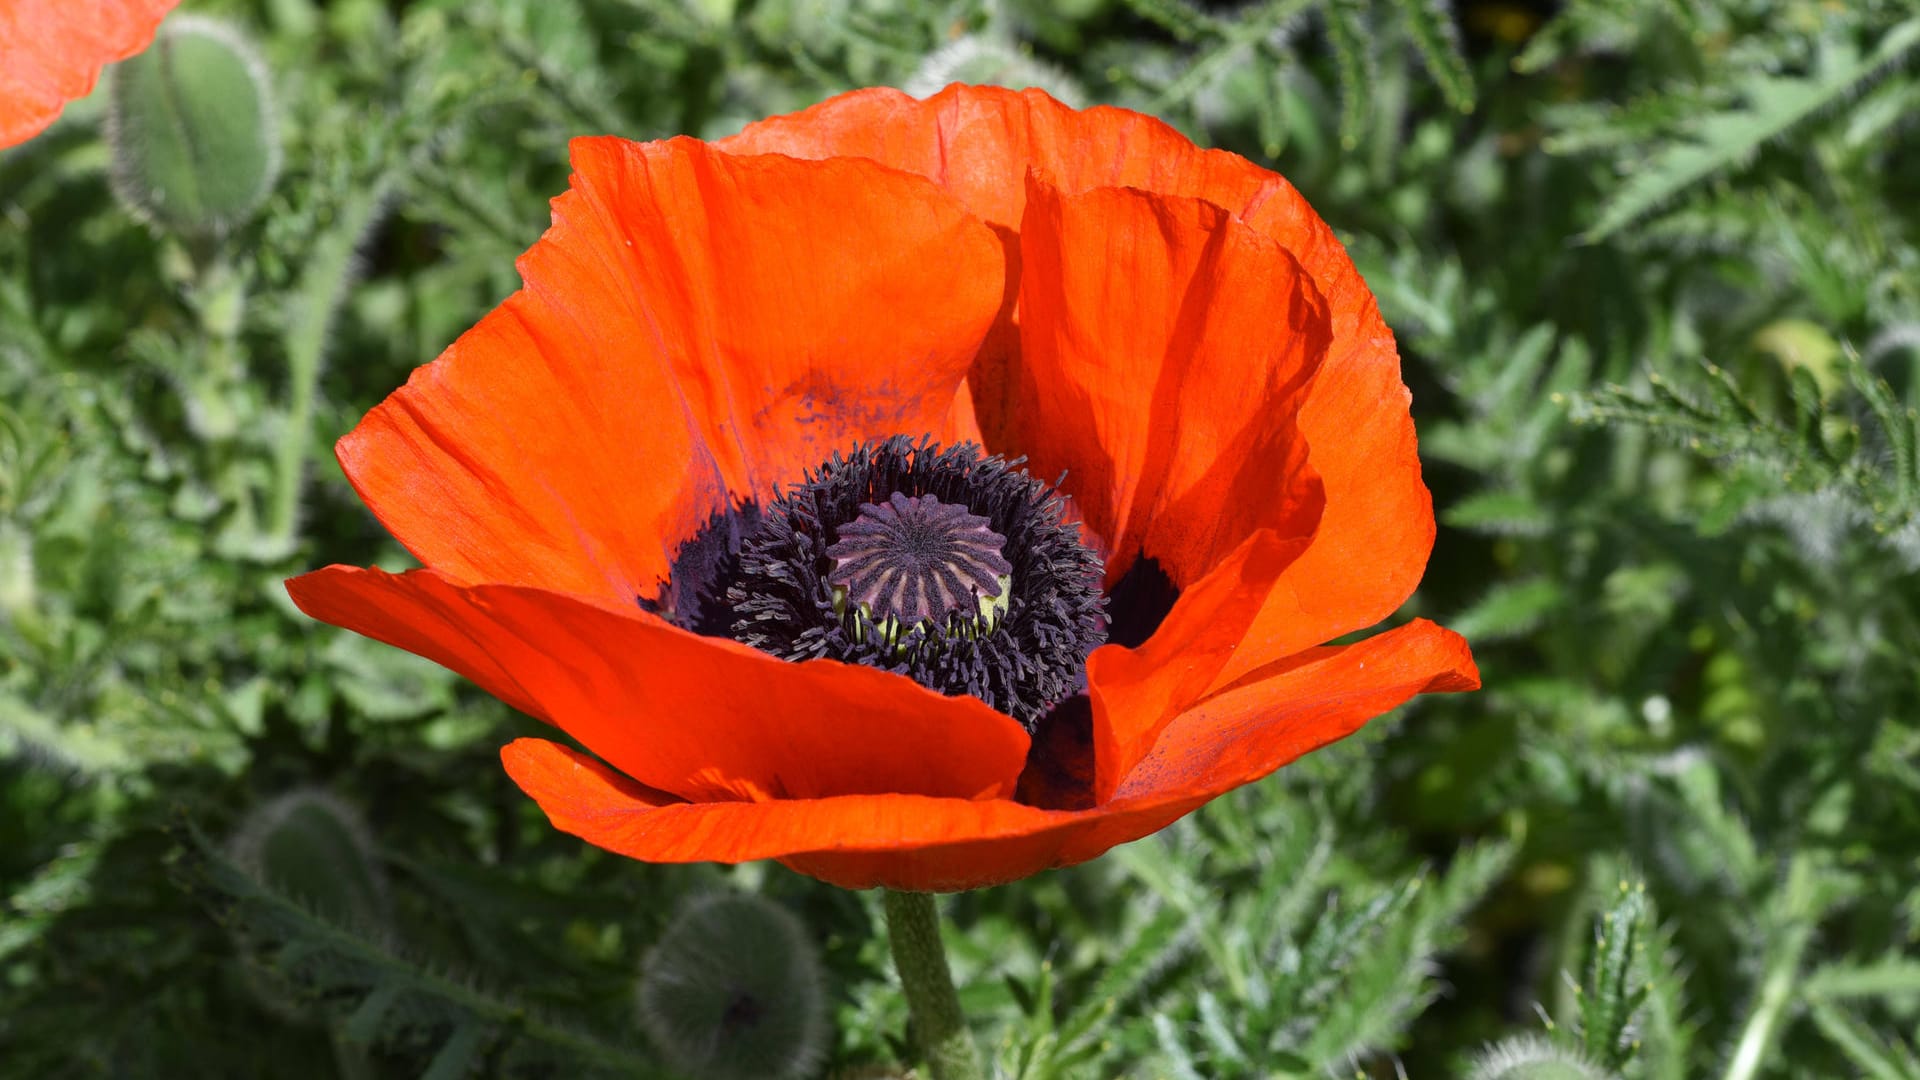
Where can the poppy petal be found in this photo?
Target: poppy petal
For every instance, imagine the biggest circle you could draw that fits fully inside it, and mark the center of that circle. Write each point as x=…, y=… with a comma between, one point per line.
x=699, y=717
x=1297, y=705
x=856, y=841
x=979, y=142
x=1137, y=692
x=1166, y=350
x=936, y=844
x=695, y=325
x=51, y=52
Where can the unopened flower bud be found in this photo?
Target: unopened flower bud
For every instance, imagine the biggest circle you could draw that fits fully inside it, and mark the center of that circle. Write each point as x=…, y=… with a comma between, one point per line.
x=1534, y=1058
x=194, y=142
x=733, y=989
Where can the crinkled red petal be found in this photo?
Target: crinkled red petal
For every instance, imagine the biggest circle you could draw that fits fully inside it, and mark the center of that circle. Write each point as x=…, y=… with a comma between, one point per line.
x=934, y=844
x=51, y=52
x=699, y=717
x=980, y=143
x=695, y=327
x=1166, y=350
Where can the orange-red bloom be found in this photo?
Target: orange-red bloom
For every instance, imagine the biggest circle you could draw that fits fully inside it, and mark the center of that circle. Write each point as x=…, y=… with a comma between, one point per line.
x=51, y=52
x=1173, y=329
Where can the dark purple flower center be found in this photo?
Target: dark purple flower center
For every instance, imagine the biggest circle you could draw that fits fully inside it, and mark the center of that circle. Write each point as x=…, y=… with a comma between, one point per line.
x=952, y=567
x=914, y=559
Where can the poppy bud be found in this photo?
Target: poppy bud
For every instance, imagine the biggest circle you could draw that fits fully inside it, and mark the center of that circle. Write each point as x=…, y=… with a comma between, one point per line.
x=1533, y=1058
x=984, y=61
x=311, y=845
x=733, y=989
x=194, y=142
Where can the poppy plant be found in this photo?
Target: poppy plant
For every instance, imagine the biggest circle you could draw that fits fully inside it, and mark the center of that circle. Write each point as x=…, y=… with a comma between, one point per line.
x=51, y=52
x=921, y=493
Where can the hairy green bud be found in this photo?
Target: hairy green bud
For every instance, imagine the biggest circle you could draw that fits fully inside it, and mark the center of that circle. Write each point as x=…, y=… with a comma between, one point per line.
x=1530, y=1057
x=194, y=141
x=733, y=989
x=312, y=846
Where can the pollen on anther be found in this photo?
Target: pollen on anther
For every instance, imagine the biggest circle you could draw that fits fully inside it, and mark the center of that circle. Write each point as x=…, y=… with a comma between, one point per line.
x=917, y=559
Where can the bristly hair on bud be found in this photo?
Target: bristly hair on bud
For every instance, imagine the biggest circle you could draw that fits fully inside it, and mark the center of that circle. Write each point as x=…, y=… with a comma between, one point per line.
x=734, y=989
x=1530, y=1057
x=1004, y=601
x=316, y=848
x=195, y=145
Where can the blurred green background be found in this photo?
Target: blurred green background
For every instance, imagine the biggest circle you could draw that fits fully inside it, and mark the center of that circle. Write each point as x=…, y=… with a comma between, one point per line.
x=1654, y=267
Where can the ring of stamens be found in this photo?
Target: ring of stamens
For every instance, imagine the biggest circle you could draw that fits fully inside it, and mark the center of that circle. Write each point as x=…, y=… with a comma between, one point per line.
x=954, y=568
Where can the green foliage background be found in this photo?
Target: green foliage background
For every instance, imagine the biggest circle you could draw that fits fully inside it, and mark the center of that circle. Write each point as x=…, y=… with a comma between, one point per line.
x=1655, y=271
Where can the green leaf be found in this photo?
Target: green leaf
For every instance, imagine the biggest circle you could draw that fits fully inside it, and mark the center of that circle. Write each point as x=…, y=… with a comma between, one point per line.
x=1151, y=949
x=1509, y=609
x=1353, y=62
x=458, y=1054
x=1889, y=977
x=1770, y=107
x=1430, y=23
x=979, y=60
x=1500, y=513
x=1180, y=18
x=338, y=963
x=1615, y=985
x=1877, y=1055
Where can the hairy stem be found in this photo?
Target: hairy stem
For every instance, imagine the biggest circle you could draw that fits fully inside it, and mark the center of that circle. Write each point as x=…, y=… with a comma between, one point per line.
x=913, y=927
x=324, y=284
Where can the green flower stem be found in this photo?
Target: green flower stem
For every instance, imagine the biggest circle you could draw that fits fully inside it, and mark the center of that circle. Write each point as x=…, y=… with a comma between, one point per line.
x=913, y=926
x=330, y=271
x=1782, y=974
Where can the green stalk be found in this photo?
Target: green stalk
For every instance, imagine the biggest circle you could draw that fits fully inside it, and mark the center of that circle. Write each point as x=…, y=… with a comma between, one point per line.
x=329, y=274
x=1783, y=970
x=913, y=927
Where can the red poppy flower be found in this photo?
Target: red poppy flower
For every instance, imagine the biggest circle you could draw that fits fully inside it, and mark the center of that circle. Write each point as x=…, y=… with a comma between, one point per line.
x=51, y=52
x=688, y=430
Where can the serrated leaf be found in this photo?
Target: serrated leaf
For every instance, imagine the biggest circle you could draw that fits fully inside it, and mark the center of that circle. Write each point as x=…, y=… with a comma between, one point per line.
x=1614, y=989
x=1770, y=106
x=1897, y=425
x=1167, y=1034
x=365, y=1023
x=1180, y=18
x=1876, y=1055
x=1430, y=24
x=1509, y=609
x=1889, y=977
x=1353, y=63
x=1473, y=872
x=1153, y=946
x=1218, y=1031
x=458, y=1054
x=1502, y=513
x=343, y=965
